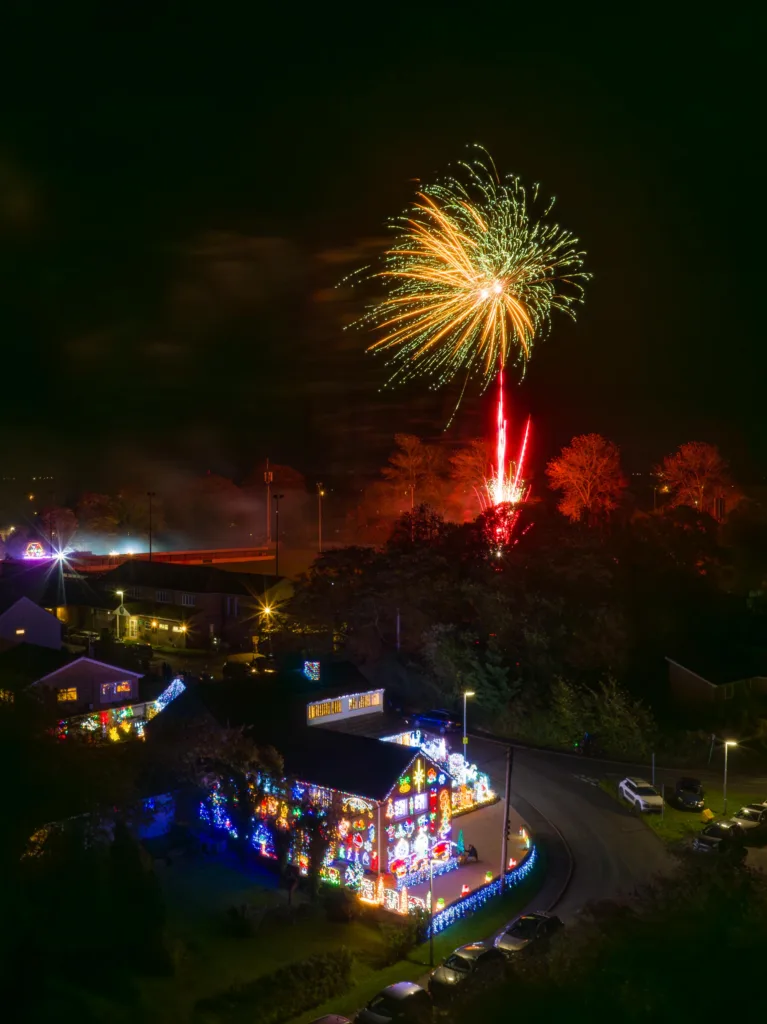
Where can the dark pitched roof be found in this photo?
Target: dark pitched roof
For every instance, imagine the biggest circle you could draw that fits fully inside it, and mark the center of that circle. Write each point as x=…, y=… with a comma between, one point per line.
x=723, y=664
x=24, y=664
x=198, y=579
x=350, y=763
x=158, y=609
x=49, y=585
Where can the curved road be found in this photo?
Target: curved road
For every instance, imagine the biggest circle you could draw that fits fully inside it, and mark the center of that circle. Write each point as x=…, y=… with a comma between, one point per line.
x=612, y=850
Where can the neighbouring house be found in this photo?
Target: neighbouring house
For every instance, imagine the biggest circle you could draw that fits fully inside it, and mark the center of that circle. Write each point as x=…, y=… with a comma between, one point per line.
x=194, y=606
x=77, y=603
x=387, y=804
x=75, y=684
x=716, y=676
x=26, y=622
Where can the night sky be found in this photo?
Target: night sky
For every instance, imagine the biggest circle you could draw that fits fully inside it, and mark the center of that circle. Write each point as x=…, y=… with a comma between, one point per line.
x=178, y=200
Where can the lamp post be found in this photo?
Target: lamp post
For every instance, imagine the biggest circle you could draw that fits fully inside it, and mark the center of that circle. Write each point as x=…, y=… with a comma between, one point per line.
x=150, y=495
x=320, y=496
x=727, y=745
x=466, y=695
x=431, y=907
x=121, y=595
x=268, y=477
x=277, y=533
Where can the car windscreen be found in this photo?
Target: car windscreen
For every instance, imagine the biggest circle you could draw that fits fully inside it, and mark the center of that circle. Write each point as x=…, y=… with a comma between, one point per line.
x=524, y=928
x=747, y=813
x=457, y=963
x=383, y=1007
x=716, y=832
x=645, y=791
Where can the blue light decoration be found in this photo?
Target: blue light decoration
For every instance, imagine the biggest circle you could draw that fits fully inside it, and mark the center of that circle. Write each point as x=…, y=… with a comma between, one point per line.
x=423, y=874
x=476, y=899
x=312, y=670
x=175, y=689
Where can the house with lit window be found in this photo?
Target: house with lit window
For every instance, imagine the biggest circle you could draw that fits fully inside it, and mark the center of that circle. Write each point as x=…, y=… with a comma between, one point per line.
x=26, y=622
x=172, y=605
x=387, y=805
x=67, y=683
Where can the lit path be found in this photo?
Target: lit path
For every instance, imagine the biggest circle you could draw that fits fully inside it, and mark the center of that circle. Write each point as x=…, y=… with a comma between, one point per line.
x=483, y=829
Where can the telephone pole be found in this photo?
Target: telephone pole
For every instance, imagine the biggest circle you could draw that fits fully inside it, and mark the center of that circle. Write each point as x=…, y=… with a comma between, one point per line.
x=268, y=477
x=277, y=533
x=320, y=496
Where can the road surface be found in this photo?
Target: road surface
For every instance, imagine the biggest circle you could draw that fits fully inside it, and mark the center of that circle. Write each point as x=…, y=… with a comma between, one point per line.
x=612, y=851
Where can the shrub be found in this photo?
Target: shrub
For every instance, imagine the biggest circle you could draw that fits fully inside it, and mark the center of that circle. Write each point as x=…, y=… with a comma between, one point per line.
x=399, y=939
x=278, y=997
x=341, y=906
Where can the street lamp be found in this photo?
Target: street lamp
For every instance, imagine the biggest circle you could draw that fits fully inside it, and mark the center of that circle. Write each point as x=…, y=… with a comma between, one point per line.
x=466, y=695
x=727, y=745
x=121, y=595
x=320, y=496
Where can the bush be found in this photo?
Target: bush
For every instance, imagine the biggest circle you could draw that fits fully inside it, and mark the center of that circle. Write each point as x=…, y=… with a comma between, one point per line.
x=399, y=939
x=341, y=906
x=282, y=995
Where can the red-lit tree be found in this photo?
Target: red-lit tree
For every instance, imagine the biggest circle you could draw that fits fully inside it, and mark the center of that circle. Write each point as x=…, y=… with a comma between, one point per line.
x=588, y=472
x=698, y=476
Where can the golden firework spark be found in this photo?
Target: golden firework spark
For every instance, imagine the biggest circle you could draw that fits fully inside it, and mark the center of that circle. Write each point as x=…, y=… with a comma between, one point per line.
x=473, y=277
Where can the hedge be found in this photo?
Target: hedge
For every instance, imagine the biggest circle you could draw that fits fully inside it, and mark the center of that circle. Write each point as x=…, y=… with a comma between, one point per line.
x=274, y=998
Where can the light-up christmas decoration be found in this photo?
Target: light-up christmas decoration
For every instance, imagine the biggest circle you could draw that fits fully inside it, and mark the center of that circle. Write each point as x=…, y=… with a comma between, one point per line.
x=312, y=670
x=34, y=550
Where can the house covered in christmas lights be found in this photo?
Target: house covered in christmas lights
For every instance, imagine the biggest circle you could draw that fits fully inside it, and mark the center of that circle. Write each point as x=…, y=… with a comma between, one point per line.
x=386, y=807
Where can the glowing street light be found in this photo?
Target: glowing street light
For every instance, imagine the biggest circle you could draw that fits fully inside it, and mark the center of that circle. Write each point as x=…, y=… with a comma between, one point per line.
x=121, y=595
x=727, y=745
x=466, y=695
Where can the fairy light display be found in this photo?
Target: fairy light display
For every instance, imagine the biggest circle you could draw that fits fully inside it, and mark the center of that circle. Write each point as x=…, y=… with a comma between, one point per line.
x=471, y=787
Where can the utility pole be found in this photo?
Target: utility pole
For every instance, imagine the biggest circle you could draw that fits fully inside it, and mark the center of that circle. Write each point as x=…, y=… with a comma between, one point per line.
x=277, y=533
x=506, y=808
x=398, y=629
x=50, y=522
x=150, y=495
x=268, y=477
x=320, y=496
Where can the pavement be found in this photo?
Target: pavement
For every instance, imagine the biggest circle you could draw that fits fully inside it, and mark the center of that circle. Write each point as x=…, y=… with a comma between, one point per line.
x=483, y=829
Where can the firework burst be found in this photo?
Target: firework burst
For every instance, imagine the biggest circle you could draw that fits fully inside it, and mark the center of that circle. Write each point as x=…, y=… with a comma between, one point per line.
x=473, y=277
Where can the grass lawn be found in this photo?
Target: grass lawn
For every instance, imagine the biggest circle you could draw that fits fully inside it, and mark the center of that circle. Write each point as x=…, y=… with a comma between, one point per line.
x=198, y=893
x=674, y=825
x=366, y=981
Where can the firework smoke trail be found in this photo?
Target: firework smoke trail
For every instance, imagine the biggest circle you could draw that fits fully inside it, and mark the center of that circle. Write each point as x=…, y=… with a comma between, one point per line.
x=473, y=277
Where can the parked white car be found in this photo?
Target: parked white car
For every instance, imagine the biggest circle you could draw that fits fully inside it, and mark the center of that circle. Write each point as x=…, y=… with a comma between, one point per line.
x=641, y=794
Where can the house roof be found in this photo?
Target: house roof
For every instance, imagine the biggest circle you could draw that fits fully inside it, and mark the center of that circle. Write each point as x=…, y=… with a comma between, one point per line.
x=92, y=661
x=198, y=579
x=24, y=664
x=721, y=664
x=50, y=585
x=158, y=609
x=350, y=763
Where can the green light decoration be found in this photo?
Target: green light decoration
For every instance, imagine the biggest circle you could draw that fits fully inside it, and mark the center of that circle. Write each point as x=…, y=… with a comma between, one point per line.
x=460, y=843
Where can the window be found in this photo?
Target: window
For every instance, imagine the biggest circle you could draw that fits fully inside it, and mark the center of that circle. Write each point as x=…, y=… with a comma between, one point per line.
x=116, y=691
x=188, y=600
x=364, y=700
x=163, y=595
x=421, y=802
x=67, y=693
x=232, y=606
x=131, y=592
x=133, y=629
x=324, y=708
x=6, y=697
x=20, y=632
x=179, y=629
x=163, y=625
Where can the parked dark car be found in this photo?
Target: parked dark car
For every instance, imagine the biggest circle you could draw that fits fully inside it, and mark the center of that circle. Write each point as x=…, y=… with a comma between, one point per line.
x=688, y=794
x=464, y=969
x=718, y=837
x=525, y=931
x=404, y=1001
x=438, y=720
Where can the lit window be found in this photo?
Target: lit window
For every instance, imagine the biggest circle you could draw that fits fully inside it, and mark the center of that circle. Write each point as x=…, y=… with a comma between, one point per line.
x=133, y=629
x=163, y=625
x=20, y=632
x=6, y=697
x=68, y=693
x=114, y=691
x=421, y=801
x=324, y=708
x=400, y=809
x=364, y=700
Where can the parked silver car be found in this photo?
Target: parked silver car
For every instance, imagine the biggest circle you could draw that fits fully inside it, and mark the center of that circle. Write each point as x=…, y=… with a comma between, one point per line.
x=526, y=930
